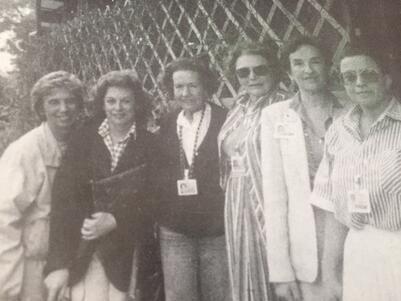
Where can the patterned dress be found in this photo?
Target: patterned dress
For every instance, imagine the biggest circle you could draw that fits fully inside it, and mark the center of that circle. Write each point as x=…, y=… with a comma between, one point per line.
x=244, y=220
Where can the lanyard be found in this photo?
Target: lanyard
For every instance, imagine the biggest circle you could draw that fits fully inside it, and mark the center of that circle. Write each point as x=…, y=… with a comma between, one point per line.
x=188, y=172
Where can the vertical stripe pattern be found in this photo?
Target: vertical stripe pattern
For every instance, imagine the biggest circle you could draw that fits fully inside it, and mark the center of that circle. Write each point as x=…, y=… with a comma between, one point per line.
x=372, y=163
x=244, y=219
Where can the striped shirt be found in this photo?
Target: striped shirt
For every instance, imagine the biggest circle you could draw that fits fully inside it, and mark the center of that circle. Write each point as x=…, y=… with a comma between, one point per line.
x=372, y=163
x=116, y=150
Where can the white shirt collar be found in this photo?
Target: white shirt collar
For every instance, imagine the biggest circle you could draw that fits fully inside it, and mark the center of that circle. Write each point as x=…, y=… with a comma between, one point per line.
x=189, y=130
x=185, y=123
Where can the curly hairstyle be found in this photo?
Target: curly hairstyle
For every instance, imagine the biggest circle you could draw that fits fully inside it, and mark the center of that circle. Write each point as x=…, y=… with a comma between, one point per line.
x=264, y=49
x=293, y=45
x=207, y=77
x=56, y=80
x=125, y=79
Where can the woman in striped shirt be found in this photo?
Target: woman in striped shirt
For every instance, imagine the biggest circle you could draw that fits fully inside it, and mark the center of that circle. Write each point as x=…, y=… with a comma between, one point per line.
x=359, y=181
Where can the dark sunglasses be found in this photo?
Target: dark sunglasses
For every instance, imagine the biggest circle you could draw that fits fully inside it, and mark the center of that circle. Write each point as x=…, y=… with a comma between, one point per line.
x=258, y=71
x=367, y=76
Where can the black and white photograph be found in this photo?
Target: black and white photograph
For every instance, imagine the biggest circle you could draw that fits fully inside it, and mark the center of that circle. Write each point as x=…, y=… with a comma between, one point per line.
x=200, y=150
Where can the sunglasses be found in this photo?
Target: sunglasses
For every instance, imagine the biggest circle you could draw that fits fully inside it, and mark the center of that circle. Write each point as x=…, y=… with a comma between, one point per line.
x=258, y=71
x=367, y=76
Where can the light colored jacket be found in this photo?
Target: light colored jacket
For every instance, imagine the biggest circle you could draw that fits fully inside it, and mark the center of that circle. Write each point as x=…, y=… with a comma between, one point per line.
x=290, y=220
x=27, y=170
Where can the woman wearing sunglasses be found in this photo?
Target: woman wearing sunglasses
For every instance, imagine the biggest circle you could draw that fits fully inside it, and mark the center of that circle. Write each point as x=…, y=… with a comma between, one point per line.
x=257, y=70
x=359, y=182
x=292, y=138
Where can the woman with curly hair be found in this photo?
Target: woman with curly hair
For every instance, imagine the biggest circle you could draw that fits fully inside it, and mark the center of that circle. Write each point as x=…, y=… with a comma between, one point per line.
x=27, y=170
x=100, y=196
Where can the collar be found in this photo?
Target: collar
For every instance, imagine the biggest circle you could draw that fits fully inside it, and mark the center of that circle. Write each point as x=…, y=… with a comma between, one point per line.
x=334, y=104
x=104, y=131
x=393, y=111
x=248, y=106
x=330, y=112
x=49, y=147
x=184, y=122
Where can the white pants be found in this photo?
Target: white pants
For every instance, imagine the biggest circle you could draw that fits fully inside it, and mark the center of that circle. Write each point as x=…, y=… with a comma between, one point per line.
x=372, y=265
x=95, y=286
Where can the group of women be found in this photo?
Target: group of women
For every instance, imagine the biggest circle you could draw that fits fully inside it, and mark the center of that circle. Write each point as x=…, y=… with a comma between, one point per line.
x=282, y=198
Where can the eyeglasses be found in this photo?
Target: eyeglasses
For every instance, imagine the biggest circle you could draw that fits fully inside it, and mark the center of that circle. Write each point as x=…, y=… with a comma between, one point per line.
x=258, y=71
x=367, y=76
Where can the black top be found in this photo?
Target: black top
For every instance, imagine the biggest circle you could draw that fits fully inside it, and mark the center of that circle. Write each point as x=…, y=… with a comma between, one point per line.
x=87, y=158
x=203, y=214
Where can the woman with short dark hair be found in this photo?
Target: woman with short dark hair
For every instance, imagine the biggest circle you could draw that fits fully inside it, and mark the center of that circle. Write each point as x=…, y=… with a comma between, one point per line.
x=100, y=196
x=358, y=184
x=191, y=205
x=27, y=170
x=292, y=147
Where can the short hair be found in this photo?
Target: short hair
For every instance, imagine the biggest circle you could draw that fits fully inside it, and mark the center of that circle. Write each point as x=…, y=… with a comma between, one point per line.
x=293, y=45
x=129, y=79
x=207, y=77
x=363, y=49
x=264, y=49
x=56, y=80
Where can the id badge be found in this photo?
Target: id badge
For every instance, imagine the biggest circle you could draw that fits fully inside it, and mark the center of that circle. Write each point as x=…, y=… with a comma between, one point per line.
x=237, y=166
x=358, y=201
x=283, y=130
x=187, y=187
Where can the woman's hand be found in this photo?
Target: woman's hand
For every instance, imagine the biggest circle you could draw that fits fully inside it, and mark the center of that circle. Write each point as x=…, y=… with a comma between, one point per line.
x=57, y=285
x=288, y=291
x=99, y=224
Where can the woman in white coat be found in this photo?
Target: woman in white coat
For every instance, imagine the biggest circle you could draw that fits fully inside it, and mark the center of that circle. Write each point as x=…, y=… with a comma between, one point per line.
x=27, y=170
x=292, y=136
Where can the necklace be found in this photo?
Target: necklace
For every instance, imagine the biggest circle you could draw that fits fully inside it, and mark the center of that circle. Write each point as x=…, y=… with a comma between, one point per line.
x=188, y=172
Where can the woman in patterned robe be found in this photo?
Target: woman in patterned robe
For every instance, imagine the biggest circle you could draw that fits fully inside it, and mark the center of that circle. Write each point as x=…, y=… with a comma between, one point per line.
x=257, y=71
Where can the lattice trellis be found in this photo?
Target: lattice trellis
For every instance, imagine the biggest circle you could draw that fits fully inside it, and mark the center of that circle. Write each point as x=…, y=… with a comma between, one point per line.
x=147, y=34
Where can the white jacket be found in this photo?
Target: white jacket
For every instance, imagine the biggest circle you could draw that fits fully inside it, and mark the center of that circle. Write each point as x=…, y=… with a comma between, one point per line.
x=290, y=220
x=27, y=170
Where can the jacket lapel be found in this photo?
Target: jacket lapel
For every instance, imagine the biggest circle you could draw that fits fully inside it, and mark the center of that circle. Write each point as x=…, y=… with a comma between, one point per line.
x=134, y=154
x=48, y=146
x=101, y=159
x=212, y=125
x=294, y=152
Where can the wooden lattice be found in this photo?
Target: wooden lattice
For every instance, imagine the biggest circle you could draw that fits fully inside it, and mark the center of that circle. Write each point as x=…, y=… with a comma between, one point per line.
x=147, y=34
